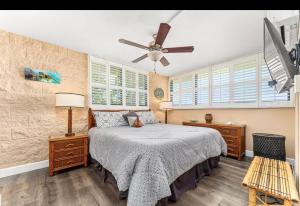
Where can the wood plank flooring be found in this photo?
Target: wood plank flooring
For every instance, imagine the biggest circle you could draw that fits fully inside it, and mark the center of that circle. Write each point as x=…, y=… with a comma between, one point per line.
x=85, y=186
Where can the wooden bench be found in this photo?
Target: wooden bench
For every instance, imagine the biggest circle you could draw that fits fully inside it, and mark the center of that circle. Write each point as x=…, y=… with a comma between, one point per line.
x=272, y=178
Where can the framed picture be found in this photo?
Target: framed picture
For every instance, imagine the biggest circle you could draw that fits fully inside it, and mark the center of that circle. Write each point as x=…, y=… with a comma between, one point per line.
x=42, y=76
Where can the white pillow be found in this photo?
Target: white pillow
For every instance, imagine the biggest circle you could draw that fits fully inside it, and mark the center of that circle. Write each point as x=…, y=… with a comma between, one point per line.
x=147, y=117
x=109, y=119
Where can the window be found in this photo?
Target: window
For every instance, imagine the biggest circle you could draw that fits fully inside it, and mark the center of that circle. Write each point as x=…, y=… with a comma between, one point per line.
x=220, y=85
x=174, y=92
x=268, y=94
x=239, y=83
x=115, y=86
x=143, y=88
x=244, y=82
x=187, y=90
x=202, y=87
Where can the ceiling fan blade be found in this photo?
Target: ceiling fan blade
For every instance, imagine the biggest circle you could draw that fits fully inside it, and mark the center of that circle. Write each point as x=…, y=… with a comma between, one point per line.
x=178, y=49
x=163, y=31
x=164, y=61
x=140, y=58
x=124, y=41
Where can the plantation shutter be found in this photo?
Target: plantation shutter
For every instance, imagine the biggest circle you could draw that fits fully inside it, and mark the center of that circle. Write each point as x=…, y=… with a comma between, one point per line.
x=269, y=94
x=98, y=73
x=130, y=98
x=202, y=87
x=244, y=82
x=130, y=84
x=115, y=76
x=143, y=88
x=115, y=82
x=220, y=85
x=174, y=91
x=130, y=79
x=98, y=82
x=187, y=90
x=99, y=95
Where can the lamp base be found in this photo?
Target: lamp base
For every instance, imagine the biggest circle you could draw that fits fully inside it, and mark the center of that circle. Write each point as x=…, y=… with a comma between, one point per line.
x=69, y=134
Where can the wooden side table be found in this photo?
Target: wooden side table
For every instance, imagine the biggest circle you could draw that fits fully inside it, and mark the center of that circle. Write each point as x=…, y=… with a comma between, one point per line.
x=67, y=152
x=272, y=178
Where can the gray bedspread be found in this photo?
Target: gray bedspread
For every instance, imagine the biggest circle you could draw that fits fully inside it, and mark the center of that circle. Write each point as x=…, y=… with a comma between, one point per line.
x=147, y=160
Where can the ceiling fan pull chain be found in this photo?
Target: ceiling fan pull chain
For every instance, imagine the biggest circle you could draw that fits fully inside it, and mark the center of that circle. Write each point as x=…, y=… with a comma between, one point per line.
x=154, y=67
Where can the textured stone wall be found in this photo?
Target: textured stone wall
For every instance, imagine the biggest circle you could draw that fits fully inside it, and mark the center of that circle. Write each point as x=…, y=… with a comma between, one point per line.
x=27, y=108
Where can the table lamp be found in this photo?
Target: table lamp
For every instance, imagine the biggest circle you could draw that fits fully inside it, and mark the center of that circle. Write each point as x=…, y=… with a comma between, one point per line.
x=69, y=100
x=166, y=105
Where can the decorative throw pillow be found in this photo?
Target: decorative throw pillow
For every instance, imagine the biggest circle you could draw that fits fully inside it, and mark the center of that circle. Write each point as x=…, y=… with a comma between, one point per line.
x=109, y=119
x=131, y=120
x=147, y=117
x=138, y=123
x=129, y=114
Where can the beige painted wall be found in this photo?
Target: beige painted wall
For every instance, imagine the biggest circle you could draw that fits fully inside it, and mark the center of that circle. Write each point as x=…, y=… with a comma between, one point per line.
x=157, y=81
x=27, y=108
x=278, y=121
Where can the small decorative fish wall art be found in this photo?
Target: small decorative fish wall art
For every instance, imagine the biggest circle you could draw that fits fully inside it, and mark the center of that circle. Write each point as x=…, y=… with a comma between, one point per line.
x=42, y=76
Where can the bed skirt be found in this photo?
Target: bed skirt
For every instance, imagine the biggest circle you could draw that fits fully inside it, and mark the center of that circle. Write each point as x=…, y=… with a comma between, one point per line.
x=185, y=182
x=189, y=179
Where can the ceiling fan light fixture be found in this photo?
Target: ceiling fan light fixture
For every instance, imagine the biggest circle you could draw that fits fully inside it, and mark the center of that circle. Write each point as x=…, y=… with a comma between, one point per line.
x=155, y=55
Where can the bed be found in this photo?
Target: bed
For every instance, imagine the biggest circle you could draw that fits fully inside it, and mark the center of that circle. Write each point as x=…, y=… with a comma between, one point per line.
x=156, y=161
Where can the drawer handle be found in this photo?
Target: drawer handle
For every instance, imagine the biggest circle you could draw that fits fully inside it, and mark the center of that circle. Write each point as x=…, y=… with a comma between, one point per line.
x=229, y=140
x=70, y=161
x=70, y=153
x=69, y=145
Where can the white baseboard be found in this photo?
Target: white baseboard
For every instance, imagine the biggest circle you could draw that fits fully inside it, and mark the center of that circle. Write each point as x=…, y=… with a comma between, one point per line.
x=249, y=153
x=5, y=172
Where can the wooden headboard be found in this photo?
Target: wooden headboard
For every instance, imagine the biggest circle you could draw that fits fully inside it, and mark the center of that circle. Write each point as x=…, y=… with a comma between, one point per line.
x=91, y=119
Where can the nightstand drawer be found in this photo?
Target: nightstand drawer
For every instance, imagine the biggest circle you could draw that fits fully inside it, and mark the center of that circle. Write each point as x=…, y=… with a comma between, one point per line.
x=228, y=131
x=68, y=153
x=66, y=144
x=231, y=149
x=68, y=162
x=230, y=140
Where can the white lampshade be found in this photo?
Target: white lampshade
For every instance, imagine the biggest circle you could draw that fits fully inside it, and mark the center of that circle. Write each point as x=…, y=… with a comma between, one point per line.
x=69, y=100
x=166, y=105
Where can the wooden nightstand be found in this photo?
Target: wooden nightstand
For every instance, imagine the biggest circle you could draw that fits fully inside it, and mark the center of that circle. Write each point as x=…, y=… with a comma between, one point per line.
x=66, y=152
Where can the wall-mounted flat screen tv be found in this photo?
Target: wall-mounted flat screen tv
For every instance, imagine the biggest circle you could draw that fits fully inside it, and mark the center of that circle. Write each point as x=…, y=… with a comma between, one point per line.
x=278, y=61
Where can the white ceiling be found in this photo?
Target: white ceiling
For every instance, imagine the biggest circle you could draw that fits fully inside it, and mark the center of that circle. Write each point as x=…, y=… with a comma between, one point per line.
x=216, y=35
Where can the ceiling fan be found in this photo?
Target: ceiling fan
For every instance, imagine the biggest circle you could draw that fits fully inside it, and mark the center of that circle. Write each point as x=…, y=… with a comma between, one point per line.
x=155, y=48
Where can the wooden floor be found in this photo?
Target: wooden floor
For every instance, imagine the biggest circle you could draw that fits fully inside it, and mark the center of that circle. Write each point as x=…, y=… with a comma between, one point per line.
x=84, y=186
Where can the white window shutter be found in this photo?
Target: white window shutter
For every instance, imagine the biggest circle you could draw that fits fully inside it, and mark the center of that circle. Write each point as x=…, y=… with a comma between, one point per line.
x=244, y=82
x=143, y=89
x=269, y=94
x=220, y=85
x=130, y=79
x=130, y=98
x=174, y=91
x=99, y=73
x=115, y=76
x=99, y=96
x=202, y=87
x=187, y=90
